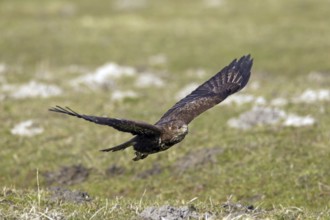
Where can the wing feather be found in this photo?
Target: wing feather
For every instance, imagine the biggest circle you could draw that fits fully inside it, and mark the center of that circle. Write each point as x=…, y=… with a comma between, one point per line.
x=133, y=127
x=229, y=80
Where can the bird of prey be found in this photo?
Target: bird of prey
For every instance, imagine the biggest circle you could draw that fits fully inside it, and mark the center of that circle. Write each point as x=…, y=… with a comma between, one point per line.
x=172, y=127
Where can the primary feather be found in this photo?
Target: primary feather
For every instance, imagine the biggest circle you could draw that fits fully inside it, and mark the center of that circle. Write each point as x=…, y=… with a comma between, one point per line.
x=229, y=80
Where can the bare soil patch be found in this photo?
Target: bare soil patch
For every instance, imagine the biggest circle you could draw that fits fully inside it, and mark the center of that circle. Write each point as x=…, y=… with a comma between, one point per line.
x=67, y=175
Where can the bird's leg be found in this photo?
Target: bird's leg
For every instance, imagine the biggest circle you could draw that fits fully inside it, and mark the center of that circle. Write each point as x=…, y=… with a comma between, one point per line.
x=139, y=156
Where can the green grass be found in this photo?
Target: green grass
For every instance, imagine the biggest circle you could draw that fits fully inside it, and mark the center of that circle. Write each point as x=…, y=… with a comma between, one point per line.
x=272, y=167
x=28, y=205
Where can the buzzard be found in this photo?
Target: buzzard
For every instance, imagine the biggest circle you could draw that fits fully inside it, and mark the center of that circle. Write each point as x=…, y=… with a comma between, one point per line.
x=172, y=127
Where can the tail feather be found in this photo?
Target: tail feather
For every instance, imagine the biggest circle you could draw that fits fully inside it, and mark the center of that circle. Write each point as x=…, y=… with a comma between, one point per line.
x=119, y=147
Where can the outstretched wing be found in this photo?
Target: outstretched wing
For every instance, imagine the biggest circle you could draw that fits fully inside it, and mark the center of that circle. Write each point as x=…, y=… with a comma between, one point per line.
x=134, y=127
x=229, y=80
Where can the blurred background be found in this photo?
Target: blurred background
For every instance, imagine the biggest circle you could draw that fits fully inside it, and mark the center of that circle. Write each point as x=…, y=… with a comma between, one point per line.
x=134, y=59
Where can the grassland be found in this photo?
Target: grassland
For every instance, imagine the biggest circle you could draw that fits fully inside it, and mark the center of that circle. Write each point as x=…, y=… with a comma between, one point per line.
x=284, y=171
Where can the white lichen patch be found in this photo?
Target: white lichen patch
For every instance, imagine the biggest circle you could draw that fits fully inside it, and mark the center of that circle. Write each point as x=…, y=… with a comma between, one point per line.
x=213, y=3
x=311, y=96
x=34, y=212
x=260, y=100
x=200, y=73
x=103, y=76
x=257, y=116
x=186, y=90
x=293, y=120
x=279, y=102
x=121, y=95
x=241, y=99
x=32, y=89
x=255, y=85
x=238, y=99
x=27, y=128
x=3, y=80
x=260, y=116
x=148, y=80
x=130, y=4
x=3, y=68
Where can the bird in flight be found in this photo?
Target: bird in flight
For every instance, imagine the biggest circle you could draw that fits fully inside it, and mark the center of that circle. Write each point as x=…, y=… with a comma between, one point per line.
x=172, y=127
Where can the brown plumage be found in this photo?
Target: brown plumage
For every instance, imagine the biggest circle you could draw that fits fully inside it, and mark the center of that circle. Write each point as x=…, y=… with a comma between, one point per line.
x=173, y=125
